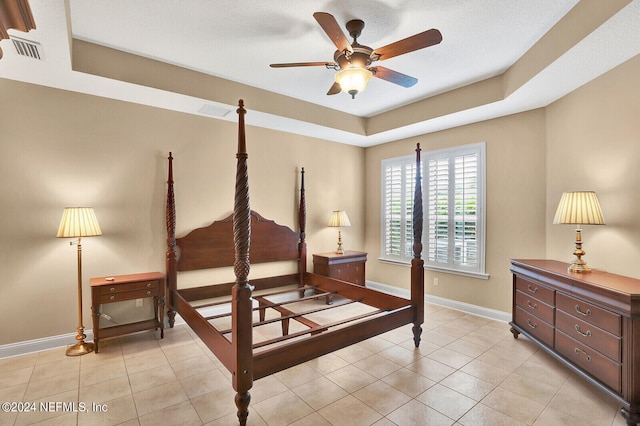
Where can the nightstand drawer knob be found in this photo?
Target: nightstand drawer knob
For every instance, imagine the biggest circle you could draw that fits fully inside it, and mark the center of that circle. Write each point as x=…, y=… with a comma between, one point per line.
x=148, y=285
x=112, y=298
x=112, y=289
x=148, y=293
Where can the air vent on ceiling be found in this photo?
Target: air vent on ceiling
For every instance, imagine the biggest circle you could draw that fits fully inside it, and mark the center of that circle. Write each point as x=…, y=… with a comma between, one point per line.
x=29, y=48
x=214, y=111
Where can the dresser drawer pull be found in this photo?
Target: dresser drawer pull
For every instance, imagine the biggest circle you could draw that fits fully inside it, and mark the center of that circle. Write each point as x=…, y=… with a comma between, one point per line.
x=148, y=293
x=585, y=334
x=531, y=289
x=534, y=306
x=586, y=355
x=148, y=285
x=586, y=313
x=112, y=289
x=112, y=298
x=531, y=325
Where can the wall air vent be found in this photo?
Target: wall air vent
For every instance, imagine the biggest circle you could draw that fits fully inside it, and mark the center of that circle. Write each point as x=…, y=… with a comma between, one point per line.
x=29, y=48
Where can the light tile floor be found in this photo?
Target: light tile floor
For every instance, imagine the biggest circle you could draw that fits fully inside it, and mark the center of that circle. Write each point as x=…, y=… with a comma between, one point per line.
x=468, y=371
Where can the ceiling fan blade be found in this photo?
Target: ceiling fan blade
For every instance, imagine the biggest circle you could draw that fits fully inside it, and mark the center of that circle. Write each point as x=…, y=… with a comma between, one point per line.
x=409, y=44
x=304, y=64
x=333, y=30
x=393, y=76
x=335, y=89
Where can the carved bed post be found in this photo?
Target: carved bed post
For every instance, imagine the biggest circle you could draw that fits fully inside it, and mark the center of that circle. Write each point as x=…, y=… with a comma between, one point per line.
x=171, y=245
x=241, y=309
x=302, y=221
x=417, y=263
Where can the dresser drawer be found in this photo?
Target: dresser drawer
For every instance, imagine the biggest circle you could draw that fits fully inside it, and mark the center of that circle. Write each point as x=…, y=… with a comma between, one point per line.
x=598, y=339
x=535, y=326
x=540, y=292
x=590, y=313
x=590, y=360
x=535, y=306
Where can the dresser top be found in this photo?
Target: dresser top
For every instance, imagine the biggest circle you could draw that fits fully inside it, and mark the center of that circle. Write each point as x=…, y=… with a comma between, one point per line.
x=598, y=281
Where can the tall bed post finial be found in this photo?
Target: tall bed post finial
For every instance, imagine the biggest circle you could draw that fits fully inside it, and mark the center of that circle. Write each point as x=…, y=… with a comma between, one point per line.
x=241, y=309
x=171, y=245
x=417, y=263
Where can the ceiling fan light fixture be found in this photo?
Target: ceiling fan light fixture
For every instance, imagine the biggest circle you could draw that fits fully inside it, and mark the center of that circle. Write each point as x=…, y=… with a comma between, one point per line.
x=353, y=80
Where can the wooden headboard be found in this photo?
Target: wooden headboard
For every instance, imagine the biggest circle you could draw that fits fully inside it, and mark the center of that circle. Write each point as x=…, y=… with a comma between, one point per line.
x=212, y=246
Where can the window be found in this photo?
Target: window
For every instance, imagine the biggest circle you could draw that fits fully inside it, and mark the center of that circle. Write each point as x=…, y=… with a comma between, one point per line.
x=454, y=214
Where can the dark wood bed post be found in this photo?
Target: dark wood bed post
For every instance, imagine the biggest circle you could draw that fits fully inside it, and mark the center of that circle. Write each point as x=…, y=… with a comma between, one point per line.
x=302, y=221
x=417, y=263
x=241, y=309
x=171, y=245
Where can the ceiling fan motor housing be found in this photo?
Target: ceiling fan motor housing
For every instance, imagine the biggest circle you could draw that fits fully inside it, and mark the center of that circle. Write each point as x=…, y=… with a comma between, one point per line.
x=359, y=58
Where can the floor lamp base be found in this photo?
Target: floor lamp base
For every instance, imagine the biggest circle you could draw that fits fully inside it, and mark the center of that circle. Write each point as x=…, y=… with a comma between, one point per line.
x=80, y=348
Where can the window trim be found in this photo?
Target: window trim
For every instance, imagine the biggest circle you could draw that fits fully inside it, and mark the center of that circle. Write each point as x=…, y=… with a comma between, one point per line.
x=478, y=148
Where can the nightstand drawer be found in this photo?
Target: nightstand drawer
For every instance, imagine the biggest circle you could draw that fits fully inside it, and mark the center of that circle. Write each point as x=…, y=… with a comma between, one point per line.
x=123, y=288
x=590, y=313
x=347, y=272
x=128, y=295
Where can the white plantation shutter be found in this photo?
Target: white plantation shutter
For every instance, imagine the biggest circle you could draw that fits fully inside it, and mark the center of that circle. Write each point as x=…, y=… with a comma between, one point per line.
x=398, y=180
x=453, y=191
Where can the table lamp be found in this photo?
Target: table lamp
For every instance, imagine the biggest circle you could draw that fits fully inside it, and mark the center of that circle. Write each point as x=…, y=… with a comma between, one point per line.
x=579, y=208
x=78, y=222
x=339, y=219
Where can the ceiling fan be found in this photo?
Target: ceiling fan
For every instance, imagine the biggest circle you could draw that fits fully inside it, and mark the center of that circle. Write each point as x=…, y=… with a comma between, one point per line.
x=353, y=61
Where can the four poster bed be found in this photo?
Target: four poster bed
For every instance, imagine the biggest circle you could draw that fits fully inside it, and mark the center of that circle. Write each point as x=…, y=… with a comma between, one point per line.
x=261, y=326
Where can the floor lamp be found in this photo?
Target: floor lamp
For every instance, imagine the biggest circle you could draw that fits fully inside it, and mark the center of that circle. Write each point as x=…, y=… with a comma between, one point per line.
x=78, y=222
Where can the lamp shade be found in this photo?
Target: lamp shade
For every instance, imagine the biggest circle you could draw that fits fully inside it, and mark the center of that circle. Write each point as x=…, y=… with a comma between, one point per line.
x=580, y=208
x=78, y=222
x=339, y=218
x=353, y=80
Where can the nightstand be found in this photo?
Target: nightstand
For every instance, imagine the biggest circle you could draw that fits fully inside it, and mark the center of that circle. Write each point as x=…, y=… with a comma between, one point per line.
x=127, y=287
x=349, y=266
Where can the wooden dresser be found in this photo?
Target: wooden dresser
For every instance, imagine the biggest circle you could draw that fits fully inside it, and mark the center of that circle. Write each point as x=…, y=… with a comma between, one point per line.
x=127, y=287
x=590, y=322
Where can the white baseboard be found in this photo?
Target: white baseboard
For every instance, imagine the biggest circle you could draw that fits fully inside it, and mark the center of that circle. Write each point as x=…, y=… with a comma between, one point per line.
x=43, y=344
x=441, y=301
x=52, y=342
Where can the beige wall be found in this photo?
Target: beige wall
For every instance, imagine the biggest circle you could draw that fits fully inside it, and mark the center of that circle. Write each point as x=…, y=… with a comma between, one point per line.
x=61, y=148
x=594, y=144
x=515, y=148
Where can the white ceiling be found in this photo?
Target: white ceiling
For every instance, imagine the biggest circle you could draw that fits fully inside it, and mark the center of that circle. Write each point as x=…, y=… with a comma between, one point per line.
x=236, y=40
